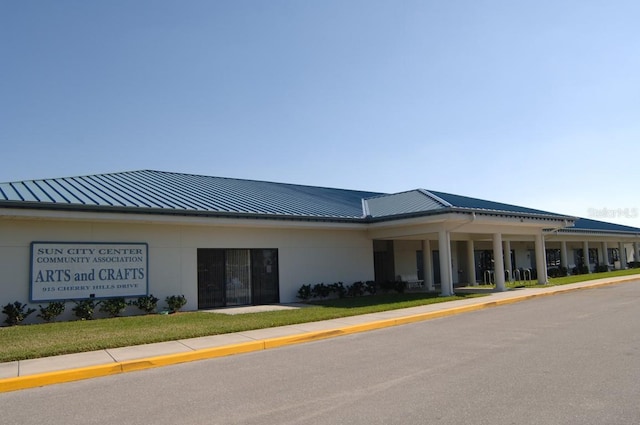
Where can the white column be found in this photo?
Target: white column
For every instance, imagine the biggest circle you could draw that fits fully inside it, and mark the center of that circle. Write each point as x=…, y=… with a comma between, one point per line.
x=507, y=259
x=585, y=255
x=636, y=252
x=623, y=256
x=498, y=262
x=427, y=261
x=450, y=263
x=471, y=262
x=445, y=263
x=605, y=254
x=563, y=255
x=541, y=260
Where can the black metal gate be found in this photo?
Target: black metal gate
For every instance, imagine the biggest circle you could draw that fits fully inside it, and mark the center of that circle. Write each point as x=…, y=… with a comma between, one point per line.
x=237, y=277
x=264, y=276
x=211, y=288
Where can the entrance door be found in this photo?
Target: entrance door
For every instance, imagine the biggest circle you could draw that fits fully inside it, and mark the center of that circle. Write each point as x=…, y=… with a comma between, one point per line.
x=383, y=262
x=238, y=277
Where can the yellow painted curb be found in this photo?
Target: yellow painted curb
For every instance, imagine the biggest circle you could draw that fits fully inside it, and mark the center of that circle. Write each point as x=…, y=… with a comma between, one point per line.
x=190, y=356
x=69, y=375
x=57, y=377
x=301, y=338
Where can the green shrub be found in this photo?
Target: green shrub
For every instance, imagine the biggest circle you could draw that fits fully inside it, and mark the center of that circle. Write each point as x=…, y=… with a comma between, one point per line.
x=392, y=285
x=16, y=313
x=146, y=303
x=400, y=286
x=175, y=302
x=84, y=309
x=580, y=270
x=320, y=290
x=51, y=311
x=113, y=306
x=304, y=293
x=357, y=289
x=371, y=287
x=557, y=272
x=338, y=289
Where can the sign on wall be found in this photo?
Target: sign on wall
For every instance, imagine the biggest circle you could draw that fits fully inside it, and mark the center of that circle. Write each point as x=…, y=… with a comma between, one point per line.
x=70, y=271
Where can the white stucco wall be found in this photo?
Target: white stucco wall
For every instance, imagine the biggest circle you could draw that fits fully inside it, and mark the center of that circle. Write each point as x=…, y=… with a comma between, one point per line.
x=305, y=255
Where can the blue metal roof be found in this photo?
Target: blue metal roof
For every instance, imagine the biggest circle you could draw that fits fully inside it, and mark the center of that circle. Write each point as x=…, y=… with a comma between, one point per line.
x=178, y=192
x=476, y=204
x=594, y=225
x=411, y=202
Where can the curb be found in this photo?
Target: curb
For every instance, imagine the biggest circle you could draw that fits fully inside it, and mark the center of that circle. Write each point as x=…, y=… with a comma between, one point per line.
x=70, y=375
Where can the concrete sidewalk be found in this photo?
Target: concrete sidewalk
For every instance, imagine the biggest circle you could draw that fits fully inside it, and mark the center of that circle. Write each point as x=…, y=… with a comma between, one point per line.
x=71, y=367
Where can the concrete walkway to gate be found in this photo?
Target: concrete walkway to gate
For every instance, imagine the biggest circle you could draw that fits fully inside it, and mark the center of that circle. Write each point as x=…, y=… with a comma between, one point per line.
x=71, y=367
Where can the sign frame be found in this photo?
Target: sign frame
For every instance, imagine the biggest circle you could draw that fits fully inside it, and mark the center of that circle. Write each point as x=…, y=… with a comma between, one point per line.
x=65, y=271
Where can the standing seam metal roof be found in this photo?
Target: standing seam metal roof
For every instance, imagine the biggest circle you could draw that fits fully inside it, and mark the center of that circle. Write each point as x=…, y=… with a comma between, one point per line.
x=601, y=226
x=176, y=192
x=414, y=201
x=459, y=201
x=186, y=192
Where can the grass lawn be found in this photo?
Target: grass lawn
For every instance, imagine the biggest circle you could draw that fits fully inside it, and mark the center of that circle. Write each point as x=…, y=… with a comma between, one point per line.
x=41, y=340
x=554, y=281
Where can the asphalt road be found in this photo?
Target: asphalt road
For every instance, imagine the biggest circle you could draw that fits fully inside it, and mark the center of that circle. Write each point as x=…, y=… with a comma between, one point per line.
x=565, y=359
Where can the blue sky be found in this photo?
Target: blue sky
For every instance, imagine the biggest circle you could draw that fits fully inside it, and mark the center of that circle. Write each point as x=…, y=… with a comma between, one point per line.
x=535, y=103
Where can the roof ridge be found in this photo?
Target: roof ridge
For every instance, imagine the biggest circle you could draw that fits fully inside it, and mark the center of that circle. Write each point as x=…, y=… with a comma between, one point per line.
x=408, y=202
x=436, y=198
x=419, y=190
x=471, y=203
x=383, y=195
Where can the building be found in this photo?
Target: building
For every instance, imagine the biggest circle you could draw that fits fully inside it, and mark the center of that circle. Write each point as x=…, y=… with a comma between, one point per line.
x=224, y=242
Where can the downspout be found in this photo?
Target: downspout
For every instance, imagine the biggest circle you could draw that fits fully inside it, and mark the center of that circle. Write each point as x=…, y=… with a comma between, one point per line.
x=544, y=244
x=555, y=230
x=473, y=218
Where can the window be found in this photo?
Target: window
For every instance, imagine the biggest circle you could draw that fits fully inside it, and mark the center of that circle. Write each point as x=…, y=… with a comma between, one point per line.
x=553, y=258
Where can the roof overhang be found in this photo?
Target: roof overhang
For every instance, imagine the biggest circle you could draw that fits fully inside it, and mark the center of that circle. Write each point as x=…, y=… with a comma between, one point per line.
x=464, y=221
x=141, y=217
x=418, y=226
x=578, y=235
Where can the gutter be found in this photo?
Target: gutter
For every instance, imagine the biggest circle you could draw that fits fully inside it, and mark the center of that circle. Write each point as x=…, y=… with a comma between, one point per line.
x=365, y=219
x=180, y=213
x=469, y=211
